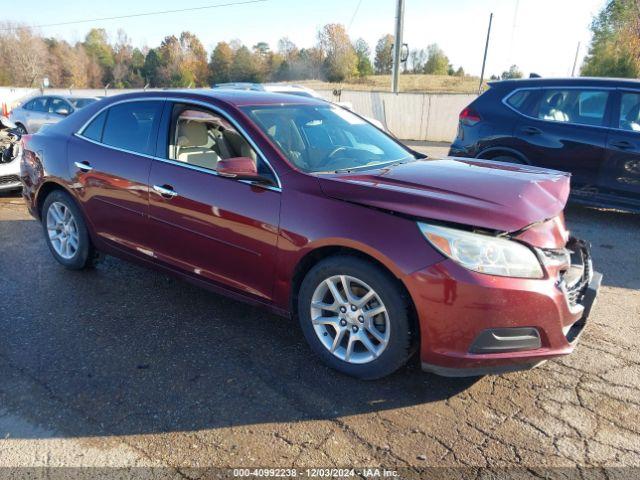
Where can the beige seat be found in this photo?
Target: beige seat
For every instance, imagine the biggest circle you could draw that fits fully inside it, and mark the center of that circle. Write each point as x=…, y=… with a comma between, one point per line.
x=192, y=147
x=239, y=146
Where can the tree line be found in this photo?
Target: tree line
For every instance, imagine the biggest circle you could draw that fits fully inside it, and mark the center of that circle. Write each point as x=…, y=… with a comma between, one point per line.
x=26, y=58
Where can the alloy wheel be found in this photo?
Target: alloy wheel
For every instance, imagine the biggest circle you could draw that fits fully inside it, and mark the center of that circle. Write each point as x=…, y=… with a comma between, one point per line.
x=350, y=319
x=63, y=230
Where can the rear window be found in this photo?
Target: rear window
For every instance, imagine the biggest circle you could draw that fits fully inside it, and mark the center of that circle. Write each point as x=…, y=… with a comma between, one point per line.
x=81, y=102
x=132, y=126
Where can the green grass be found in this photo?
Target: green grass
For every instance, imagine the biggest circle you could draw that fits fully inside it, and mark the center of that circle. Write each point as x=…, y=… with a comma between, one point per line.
x=408, y=83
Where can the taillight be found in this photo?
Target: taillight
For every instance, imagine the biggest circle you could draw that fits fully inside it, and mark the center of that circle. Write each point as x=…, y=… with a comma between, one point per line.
x=469, y=116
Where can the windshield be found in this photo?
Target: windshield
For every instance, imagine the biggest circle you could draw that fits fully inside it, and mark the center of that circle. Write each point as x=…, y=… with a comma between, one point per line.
x=326, y=138
x=79, y=103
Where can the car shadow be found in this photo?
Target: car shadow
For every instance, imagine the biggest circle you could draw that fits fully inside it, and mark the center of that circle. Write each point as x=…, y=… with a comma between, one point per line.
x=123, y=350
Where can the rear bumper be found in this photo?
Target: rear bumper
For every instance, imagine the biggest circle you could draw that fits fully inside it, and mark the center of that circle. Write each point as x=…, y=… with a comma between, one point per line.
x=457, y=308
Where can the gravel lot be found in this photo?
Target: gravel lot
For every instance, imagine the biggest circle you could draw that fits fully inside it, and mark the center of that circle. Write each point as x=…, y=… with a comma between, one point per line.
x=127, y=367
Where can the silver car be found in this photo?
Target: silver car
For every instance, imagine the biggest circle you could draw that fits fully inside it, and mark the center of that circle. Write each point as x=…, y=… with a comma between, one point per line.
x=33, y=114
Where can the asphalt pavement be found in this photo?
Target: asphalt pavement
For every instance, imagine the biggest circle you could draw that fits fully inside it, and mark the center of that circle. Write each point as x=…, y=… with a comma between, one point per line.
x=124, y=366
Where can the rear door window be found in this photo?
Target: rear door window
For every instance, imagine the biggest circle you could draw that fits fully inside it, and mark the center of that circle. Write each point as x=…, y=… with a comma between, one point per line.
x=39, y=104
x=584, y=107
x=133, y=126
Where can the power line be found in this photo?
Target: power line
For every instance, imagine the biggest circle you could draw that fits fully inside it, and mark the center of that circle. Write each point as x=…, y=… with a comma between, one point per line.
x=144, y=14
x=353, y=17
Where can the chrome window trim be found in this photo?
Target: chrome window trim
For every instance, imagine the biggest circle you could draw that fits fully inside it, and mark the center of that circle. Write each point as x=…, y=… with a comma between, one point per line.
x=199, y=103
x=553, y=87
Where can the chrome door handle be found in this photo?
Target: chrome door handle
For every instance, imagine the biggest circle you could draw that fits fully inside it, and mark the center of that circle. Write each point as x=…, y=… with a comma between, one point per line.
x=165, y=191
x=84, y=166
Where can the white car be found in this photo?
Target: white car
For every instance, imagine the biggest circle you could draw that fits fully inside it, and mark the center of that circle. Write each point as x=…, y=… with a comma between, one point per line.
x=32, y=115
x=9, y=156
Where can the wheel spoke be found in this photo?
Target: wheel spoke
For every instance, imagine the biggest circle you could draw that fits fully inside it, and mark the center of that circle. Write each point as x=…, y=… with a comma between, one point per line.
x=362, y=301
x=375, y=311
x=350, y=345
x=347, y=289
x=332, y=307
x=326, y=321
x=368, y=344
x=55, y=213
x=73, y=242
x=338, y=339
x=376, y=333
x=334, y=291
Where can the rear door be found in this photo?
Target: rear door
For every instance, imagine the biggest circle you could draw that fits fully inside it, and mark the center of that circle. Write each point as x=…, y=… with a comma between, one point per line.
x=566, y=130
x=211, y=227
x=620, y=173
x=111, y=158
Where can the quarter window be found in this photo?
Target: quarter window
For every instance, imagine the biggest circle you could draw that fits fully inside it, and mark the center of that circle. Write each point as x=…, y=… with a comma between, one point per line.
x=630, y=112
x=585, y=107
x=94, y=129
x=133, y=126
x=519, y=99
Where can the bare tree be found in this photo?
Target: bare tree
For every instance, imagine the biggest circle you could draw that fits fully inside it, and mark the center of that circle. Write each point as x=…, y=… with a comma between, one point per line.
x=23, y=55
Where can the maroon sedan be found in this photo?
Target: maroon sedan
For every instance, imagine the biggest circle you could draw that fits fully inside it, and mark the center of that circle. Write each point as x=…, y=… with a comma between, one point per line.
x=307, y=209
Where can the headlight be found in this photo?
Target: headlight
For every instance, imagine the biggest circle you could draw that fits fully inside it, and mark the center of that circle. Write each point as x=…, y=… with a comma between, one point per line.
x=482, y=253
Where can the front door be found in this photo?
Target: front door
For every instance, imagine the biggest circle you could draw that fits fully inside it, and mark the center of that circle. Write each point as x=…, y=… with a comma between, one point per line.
x=111, y=159
x=211, y=227
x=620, y=173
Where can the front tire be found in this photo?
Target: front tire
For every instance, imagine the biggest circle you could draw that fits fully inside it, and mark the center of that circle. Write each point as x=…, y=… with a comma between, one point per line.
x=355, y=317
x=66, y=232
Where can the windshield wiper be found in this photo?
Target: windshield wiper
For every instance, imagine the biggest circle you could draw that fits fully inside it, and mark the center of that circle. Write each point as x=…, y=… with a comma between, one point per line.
x=392, y=163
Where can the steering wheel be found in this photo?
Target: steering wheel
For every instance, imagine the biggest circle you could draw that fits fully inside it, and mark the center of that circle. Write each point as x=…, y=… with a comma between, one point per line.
x=336, y=151
x=332, y=158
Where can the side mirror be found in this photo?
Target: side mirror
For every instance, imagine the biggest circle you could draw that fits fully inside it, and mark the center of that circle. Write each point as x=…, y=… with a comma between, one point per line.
x=241, y=168
x=62, y=111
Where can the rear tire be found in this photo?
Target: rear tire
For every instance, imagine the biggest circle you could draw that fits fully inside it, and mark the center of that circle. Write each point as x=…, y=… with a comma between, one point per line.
x=344, y=329
x=66, y=233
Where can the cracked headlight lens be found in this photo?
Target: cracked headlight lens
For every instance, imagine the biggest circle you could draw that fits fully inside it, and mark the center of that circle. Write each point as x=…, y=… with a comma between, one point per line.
x=482, y=253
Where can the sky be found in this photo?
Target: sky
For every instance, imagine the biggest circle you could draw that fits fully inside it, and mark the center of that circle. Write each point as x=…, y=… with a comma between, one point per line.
x=539, y=36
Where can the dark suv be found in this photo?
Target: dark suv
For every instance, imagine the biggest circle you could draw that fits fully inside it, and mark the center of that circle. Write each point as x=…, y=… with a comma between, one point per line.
x=587, y=126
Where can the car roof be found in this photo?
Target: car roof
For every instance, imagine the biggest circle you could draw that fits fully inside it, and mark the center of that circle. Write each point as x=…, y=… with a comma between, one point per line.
x=573, y=81
x=233, y=97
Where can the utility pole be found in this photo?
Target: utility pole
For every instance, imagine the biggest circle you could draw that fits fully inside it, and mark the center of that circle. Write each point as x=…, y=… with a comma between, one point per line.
x=575, y=61
x=397, y=47
x=486, y=49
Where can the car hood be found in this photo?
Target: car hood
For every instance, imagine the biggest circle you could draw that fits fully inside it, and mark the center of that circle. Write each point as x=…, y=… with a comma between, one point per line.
x=477, y=193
